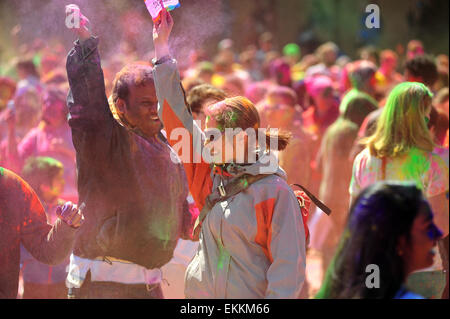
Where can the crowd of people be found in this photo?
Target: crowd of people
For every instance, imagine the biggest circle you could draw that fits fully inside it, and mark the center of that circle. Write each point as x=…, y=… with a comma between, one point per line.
x=368, y=135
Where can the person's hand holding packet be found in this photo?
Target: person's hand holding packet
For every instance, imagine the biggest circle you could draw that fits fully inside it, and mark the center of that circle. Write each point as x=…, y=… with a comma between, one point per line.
x=70, y=214
x=154, y=7
x=161, y=32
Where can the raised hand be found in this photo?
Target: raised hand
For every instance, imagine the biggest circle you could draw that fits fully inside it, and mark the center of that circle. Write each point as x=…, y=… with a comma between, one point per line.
x=70, y=214
x=77, y=22
x=161, y=32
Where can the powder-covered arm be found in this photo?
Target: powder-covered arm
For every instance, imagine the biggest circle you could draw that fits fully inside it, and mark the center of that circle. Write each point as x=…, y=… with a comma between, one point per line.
x=183, y=134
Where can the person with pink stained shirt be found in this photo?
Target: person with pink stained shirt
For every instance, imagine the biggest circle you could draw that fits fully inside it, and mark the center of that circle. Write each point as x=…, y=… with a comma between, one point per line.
x=51, y=137
x=323, y=110
x=387, y=76
x=22, y=114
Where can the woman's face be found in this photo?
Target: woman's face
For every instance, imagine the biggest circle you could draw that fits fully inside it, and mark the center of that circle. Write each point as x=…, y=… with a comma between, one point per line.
x=200, y=116
x=222, y=148
x=419, y=252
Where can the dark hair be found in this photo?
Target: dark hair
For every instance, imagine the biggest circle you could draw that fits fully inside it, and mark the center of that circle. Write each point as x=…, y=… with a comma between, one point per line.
x=239, y=112
x=423, y=66
x=361, y=73
x=41, y=170
x=382, y=213
x=28, y=66
x=133, y=74
x=358, y=108
x=201, y=93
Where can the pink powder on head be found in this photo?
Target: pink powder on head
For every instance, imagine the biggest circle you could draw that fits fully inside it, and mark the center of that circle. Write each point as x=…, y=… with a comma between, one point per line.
x=316, y=84
x=255, y=92
x=215, y=108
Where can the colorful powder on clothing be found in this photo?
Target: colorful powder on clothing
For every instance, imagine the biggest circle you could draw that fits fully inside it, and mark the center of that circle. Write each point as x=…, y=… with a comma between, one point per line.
x=415, y=165
x=222, y=256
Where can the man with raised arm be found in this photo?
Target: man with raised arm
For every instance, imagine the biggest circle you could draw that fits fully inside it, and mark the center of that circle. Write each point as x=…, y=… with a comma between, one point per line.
x=130, y=179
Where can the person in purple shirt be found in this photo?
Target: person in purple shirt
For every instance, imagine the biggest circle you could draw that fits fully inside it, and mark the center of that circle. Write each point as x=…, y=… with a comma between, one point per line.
x=52, y=137
x=23, y=221
x=46, y=176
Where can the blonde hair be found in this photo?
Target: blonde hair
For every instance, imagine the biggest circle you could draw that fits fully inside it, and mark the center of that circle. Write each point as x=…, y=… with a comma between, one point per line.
x=402, y=124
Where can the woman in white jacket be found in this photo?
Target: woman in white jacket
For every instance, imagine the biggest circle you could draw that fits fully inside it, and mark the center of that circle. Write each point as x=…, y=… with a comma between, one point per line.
x=252, y=244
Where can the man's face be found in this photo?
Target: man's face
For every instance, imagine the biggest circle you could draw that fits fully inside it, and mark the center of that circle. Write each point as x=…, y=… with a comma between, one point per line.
x=141, y=110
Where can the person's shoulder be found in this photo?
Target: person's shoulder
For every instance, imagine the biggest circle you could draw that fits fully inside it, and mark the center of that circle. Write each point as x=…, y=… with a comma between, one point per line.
x=273, y=186
x=374, y=115
x=270, y=181
x=13, y=183
x=438, y=163
x=342, y=127
x=9, y=176
x=438, y=157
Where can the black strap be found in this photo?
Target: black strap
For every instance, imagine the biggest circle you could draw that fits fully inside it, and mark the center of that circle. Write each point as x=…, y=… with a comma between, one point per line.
x=316, y=201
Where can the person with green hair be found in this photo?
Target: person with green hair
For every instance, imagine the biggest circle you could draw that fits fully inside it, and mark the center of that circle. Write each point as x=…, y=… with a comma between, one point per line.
x=292, y=54
x=46, y=176
x=401, y=148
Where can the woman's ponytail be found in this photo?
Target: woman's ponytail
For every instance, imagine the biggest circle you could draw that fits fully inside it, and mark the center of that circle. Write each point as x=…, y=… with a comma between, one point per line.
x=277, y=140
